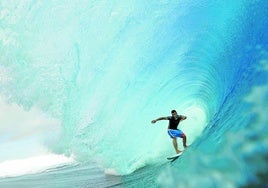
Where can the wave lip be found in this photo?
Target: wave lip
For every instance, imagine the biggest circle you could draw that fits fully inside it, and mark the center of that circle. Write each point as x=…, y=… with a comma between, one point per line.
x=36, y=164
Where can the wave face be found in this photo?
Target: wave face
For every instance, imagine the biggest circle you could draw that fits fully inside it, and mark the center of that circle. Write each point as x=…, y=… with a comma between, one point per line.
x=104, y=70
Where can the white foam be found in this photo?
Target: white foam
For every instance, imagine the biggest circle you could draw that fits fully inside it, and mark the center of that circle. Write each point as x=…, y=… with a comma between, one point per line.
x=32, y=165
x=111, y=171
x=25, y=133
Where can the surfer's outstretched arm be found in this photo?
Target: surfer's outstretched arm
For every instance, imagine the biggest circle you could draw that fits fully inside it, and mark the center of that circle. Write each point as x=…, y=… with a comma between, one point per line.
x=158, y=119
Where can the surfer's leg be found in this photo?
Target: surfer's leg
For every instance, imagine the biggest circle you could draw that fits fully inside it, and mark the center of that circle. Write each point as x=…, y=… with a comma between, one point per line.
x=175, y=144
x=179, y=133
x=174, y=134
x=183, y=136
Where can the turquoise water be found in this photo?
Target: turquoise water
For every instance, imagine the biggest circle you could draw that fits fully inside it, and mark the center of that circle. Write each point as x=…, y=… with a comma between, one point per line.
x=81, y=81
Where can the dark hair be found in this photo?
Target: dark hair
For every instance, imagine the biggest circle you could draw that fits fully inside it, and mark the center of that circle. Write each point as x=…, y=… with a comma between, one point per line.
x=173, y=111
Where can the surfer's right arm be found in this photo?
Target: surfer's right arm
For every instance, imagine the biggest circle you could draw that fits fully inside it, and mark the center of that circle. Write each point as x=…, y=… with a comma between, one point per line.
x=158, y=119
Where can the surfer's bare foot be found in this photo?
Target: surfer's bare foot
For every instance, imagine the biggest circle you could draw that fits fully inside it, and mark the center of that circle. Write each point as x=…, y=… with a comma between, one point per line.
x=178, y=151
x=185, y=147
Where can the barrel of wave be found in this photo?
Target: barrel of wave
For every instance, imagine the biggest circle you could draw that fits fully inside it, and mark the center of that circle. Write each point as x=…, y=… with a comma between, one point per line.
x=194, y=124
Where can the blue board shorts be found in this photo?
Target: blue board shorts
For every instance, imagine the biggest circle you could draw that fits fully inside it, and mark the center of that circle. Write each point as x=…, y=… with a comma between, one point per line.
x=173, y=133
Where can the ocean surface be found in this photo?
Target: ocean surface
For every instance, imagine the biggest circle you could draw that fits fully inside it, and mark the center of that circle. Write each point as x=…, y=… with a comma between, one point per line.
x=80, y=82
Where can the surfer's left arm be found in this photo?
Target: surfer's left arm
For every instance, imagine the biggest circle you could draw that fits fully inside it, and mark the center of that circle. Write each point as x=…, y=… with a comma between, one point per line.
x=183, y=117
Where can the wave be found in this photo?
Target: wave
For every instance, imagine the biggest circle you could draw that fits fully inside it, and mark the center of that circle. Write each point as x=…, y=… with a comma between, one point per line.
x=105, y=70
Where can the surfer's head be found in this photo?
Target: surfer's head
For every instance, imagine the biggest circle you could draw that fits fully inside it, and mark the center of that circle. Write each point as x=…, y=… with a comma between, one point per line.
x=173, y=112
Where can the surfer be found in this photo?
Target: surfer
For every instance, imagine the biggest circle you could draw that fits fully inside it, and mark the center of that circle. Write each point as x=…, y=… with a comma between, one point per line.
x=173, y=132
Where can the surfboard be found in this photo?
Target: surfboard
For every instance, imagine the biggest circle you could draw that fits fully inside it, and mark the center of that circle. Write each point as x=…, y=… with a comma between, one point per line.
x=174, y=157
